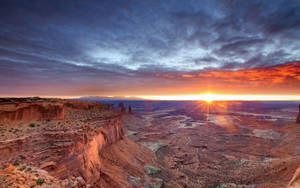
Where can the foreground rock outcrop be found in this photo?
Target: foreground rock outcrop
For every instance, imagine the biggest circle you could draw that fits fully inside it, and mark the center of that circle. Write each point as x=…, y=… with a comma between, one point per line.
x=76, y=143
x=295, y=181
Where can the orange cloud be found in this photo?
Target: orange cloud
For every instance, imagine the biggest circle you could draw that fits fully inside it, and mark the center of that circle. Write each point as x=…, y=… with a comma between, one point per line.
x=188, y=76
x=273, y=75
x=280, y=79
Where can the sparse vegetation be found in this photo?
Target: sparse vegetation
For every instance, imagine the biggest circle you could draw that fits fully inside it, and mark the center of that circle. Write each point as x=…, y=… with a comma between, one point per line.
x=22, y=168
x=16, y=163
x=31, y=125
x=40, y=181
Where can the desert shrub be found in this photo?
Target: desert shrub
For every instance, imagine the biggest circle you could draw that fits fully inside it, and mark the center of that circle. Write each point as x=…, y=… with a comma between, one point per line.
x=40, y=181
x=31, y=125
x=22, y=168
x=16, y=163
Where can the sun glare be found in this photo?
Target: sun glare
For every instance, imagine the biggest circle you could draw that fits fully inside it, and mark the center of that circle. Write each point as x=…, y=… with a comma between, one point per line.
x=219, y=97
x=207, y=98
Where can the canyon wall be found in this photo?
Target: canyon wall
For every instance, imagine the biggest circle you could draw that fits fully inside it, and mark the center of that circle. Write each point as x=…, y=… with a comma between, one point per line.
x=69, y=139
x=82, y=149
x=40, y=109
x=295, y=181
x=27, y=112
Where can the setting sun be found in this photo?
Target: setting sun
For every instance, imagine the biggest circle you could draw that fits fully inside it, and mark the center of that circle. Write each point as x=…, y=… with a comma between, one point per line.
x=208, y=98
x=223, y=97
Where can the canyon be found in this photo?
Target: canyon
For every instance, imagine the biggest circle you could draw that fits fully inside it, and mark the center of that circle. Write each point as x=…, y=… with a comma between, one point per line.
x=68, y=143
x=74, y=143
x=221, y=144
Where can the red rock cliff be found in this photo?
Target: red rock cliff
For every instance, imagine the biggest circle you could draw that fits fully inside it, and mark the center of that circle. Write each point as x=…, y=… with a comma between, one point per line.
x=82, y=149
x=24, y=110
x=27, y=112
x=71, y=141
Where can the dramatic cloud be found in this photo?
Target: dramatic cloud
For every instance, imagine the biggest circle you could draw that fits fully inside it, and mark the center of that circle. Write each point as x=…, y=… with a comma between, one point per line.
x=148, y=47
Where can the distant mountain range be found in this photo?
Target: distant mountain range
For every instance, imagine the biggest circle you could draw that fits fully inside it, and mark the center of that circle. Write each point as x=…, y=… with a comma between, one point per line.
x=111, y=98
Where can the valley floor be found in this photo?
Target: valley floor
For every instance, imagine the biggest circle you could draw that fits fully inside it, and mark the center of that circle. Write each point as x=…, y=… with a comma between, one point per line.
x=219, y=150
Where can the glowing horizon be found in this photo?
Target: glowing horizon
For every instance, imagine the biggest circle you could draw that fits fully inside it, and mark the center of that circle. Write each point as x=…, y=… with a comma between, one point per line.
x=209, y=97
x=225, y=97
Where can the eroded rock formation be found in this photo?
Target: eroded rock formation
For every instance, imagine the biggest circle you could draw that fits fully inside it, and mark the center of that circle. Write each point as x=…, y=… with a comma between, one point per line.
x=121, y=107
x=26, y=112
x=298, y=117
x=71, y=139
x=219, y=151
x=35, y=109
x=295, y=181
x=130, y=109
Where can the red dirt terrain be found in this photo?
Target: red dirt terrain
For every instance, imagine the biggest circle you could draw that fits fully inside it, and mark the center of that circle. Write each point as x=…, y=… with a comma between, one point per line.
x=67, y=143
x=219, y=150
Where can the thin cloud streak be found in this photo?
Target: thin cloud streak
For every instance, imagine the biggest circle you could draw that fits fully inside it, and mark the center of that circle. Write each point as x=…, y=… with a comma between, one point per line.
x=181, y=47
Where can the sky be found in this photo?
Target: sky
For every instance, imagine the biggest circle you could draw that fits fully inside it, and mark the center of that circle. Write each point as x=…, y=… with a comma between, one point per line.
x=149, y=48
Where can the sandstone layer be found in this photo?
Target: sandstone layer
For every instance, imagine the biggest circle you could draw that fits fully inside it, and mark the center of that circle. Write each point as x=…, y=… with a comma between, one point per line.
x=37, y=109
x=76, y=143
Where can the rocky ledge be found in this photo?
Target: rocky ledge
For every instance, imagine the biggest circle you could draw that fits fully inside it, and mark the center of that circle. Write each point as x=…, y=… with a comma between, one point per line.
x=76, y=144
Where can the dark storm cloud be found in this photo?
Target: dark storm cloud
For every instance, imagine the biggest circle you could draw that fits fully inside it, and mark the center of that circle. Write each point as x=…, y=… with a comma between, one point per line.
x=111, y=43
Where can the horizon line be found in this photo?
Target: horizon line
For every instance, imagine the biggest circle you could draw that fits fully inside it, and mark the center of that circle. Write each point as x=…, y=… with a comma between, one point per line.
x=226, y=97
x=200, y=97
